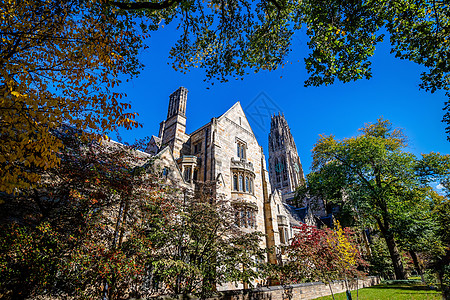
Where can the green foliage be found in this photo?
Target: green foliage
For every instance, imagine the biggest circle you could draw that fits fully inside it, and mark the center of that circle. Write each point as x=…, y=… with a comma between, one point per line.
x=200, y=247
x=385, y=187
x=380, y=263
x=230, y=38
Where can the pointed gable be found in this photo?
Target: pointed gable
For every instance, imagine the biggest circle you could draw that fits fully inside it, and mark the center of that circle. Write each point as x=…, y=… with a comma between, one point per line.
x=237, y=115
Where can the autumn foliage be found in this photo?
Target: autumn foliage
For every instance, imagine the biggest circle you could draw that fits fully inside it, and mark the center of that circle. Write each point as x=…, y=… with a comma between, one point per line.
x=59, y=63
x=106, y=223
x=322, y=254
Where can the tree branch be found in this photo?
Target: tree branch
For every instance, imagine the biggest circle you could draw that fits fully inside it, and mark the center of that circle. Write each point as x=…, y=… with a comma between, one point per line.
x=145, y=5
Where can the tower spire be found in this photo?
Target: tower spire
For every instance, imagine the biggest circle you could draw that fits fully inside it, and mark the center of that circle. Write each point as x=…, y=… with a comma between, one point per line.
x=173, y=129
x=285, y=168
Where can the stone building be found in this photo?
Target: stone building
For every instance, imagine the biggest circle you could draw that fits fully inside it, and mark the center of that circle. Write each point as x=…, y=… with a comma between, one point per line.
x=285, y=168
x=225, y=151
x=286, y=174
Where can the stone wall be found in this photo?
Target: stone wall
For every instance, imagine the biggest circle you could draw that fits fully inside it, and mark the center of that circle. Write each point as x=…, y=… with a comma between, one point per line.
x=296, y=291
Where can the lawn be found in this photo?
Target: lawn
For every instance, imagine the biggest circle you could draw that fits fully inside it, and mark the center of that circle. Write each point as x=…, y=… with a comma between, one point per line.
x=391, y=291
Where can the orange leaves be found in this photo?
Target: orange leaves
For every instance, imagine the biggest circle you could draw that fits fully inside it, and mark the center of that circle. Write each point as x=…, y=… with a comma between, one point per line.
x=61, y=71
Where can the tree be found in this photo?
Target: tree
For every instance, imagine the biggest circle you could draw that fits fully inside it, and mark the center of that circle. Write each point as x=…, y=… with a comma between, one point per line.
x=200, y=246
x=325, y=255
x=106, y=223
x=59, y=63
x=442, y=260
x=416, y=229
x=230, y=38
x=67, y=236
x=373, y=176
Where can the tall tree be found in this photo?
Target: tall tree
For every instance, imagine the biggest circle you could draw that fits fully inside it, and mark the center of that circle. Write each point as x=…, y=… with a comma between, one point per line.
x=375, y=178
x=201, y=247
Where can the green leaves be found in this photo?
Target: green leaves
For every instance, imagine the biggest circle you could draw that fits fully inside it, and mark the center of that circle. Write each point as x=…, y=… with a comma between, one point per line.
x=380, y=184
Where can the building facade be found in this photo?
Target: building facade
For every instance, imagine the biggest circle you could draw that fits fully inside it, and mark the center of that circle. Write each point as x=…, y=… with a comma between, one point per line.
x=225, y=151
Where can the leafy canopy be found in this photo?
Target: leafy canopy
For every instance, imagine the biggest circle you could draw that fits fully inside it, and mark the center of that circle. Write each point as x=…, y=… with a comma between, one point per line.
x=59, y=63
x=230, y=38
x=379, y=183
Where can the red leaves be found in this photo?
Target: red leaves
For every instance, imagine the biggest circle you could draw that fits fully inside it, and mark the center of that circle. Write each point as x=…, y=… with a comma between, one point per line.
x=317, y=254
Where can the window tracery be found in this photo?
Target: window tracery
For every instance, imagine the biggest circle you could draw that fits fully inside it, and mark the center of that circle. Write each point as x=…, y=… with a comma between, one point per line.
x=245, y=217
x=242, y=181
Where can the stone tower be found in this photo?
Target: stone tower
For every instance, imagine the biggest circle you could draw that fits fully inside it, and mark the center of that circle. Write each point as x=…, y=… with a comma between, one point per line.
x=173, y=130
x=285, y=168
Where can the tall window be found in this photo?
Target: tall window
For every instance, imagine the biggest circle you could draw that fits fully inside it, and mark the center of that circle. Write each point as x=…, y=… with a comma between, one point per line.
x=187, y=174
x=197, y=147
x=284, y=169
x=243, y=219
x=282, y=237
x=277, y=170
x=241, y=150
x=165, y=172
x=242, y=182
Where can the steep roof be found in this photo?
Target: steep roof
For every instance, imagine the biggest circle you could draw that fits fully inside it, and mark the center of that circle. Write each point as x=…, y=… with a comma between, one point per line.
x=237, y=110
x=299, y=214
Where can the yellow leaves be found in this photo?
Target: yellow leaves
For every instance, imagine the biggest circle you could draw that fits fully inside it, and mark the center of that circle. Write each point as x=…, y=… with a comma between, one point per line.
x=348, y=251
x=339, y=31
x=61, y=73
x=17, y=94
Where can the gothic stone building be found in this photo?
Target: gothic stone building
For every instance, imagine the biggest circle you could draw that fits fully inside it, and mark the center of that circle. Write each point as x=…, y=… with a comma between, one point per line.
x=225, y=151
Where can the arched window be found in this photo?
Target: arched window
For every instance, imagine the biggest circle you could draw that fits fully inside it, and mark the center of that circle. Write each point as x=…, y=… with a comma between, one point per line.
x=241, y=183
x=277, y=170
x=285, y=177
x=251, y=185
x=235, y=182
x=241, y=150
x=247, y=184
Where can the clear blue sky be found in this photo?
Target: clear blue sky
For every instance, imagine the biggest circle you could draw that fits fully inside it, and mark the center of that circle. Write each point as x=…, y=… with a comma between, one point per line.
x=339, y=109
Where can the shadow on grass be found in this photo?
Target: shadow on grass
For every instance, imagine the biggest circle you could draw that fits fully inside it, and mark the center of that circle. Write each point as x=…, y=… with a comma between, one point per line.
x=402, y=287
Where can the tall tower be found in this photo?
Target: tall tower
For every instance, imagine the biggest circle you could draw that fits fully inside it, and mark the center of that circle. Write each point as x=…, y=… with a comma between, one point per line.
x=173, y=130
x=285, y=168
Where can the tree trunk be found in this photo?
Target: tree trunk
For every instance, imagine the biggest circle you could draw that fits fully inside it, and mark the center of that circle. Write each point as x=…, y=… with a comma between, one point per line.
x=393, y=250
x=416, y=264
x=395, y=256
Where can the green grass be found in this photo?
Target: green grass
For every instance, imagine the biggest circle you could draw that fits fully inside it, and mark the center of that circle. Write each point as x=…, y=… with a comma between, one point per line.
x=392, y=291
